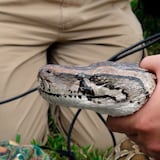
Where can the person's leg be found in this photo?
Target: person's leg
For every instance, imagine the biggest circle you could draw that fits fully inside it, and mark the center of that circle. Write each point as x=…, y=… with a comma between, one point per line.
x=26, y=31
x=94, y=32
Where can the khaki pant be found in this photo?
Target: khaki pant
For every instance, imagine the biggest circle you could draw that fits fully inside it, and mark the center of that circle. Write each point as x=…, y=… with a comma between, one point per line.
x=82, y=32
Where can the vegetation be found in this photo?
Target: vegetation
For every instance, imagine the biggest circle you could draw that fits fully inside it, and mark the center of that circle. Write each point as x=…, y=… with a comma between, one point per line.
x=149, y=18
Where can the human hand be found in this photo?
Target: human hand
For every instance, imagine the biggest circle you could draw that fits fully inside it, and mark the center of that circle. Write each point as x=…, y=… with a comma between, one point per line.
x=143, y=127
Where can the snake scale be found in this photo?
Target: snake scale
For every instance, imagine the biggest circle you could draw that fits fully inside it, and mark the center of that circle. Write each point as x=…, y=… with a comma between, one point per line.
x=115, y=88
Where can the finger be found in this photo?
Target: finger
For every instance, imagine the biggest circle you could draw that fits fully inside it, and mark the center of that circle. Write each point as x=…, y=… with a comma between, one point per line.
x=151, y=63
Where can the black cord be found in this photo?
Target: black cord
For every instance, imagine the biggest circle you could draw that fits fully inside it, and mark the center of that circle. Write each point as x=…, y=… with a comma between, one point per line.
x=69, y=153
x=19, y=96
x=111, y=133
x=132, y=49
x=70, y=129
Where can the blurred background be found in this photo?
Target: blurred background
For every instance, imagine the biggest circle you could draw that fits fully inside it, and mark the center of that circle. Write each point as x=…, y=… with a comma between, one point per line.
x=149, y=17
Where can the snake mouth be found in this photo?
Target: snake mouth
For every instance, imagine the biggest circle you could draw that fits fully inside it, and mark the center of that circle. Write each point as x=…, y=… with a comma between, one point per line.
x=95, y=99
x=99, y=103
x=58, y=94
x=70, y=99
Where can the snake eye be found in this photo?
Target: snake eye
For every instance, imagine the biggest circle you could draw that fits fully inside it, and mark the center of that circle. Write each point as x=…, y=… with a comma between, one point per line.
x=80, y=76
x=85, y=89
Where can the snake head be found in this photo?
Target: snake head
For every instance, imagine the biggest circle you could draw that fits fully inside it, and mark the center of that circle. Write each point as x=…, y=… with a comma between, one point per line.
x=115, y=88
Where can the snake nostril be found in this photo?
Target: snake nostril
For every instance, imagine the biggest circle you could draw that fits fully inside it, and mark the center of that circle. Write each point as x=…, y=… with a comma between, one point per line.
x=48, y=71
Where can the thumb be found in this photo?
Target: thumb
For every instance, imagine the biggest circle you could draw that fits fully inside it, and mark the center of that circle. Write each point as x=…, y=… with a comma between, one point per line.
x=151, y=63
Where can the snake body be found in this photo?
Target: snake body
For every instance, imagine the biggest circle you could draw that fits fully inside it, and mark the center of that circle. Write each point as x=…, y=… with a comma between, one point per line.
x=115, y=88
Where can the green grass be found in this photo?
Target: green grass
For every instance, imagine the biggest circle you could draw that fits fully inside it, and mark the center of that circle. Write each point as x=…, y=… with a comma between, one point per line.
x=58, y=142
